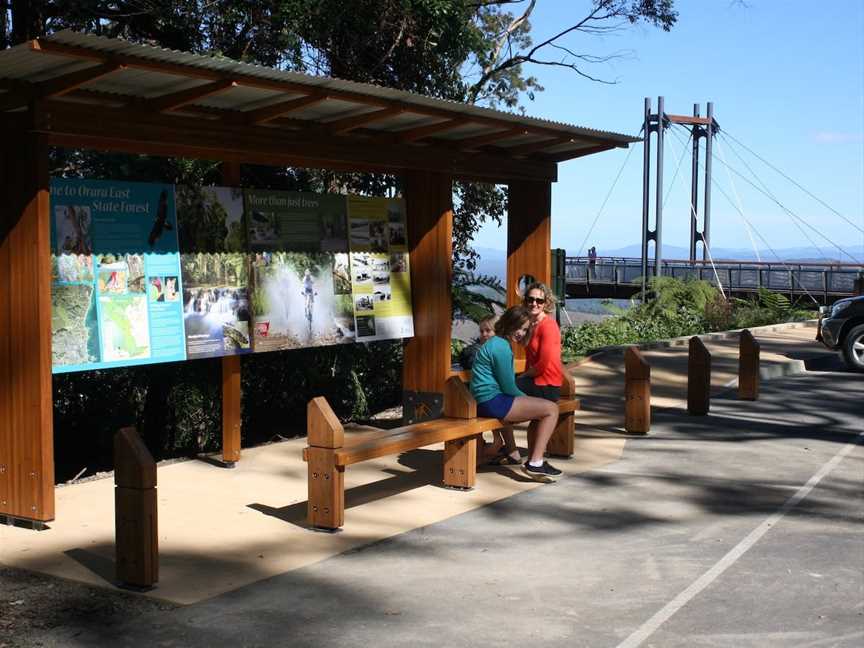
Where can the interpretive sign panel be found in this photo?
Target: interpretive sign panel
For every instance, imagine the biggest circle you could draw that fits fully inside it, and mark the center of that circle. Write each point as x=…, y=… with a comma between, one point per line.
x=116, y=286
x=380, y=279
x=260, y=271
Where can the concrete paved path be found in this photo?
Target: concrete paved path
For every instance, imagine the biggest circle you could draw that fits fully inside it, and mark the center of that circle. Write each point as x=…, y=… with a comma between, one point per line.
x=742, y=528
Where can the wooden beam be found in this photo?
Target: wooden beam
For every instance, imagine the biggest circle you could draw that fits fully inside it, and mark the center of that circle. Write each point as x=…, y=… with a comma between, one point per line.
x=474, y=142
x=535, y=147
x=176, y=100
x=271, y=112
x=529, y=239
x=61, y=85
x=55, y=87
x=563, y=156
x=232, y=392
x=70, y=124
x=26, y=416
x=429, y=207
x=413, y=134
x=687, y=119
x=342, y=126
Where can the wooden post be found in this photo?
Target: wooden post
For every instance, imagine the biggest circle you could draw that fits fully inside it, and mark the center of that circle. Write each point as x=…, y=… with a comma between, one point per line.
x=529, y=238
x=748, y=366
x=698, y=378
x=135, y=511
x=460, y=455
x=429, y=205
x=326, y=507
x=231, y=389
x=637, y=392
x=26, y=420
x=231, y=420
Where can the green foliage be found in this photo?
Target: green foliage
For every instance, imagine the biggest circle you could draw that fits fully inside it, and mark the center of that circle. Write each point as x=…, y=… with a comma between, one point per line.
x=456, y=348
x=474, y=296
x=678, y=308
x=669, y=295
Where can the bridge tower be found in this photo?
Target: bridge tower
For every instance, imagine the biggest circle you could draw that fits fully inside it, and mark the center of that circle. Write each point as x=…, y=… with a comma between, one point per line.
x=700, y=128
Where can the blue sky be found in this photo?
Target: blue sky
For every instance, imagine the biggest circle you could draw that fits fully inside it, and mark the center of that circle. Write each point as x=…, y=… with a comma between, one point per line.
x=786, y=78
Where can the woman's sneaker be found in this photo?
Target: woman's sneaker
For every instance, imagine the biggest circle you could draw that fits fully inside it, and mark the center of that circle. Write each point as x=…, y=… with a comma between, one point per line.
x=546, y=471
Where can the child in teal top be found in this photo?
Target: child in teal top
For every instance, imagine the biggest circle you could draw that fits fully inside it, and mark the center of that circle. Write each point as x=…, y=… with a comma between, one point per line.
x=492, y=372
x=493, y=384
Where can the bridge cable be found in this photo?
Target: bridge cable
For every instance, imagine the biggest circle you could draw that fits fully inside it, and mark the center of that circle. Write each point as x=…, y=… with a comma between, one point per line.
x=768, y=245
x=816, y=198
x=795, y=217
x=767, y=191
x=606, y=199
x=789, y=211
x=693, y=217
x=740, y=205
x=762, y=238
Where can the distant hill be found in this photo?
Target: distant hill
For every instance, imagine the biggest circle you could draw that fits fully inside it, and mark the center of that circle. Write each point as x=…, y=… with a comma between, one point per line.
x=494, y=262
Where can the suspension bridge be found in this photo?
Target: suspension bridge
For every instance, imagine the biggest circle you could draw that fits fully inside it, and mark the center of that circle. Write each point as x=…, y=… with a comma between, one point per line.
x=838, y=271
x=621, y=277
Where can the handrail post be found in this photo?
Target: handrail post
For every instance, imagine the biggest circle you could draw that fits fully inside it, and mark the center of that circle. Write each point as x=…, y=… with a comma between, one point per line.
x=135, y=511
x=637, y=392
x=748, y=366
x=698, y=378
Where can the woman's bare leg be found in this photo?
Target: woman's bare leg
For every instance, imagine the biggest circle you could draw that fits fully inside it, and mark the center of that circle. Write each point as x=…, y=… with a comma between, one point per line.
x=528, y=408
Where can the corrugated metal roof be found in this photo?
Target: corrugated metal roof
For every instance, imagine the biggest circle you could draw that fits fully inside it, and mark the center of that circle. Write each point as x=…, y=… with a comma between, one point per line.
x=259, y=87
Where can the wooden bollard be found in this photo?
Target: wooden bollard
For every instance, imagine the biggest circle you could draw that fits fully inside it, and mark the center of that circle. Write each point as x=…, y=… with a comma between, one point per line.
x=135, y=511
x=748, y=366
x=637, y=392
x=326, y=480
x=698, y=378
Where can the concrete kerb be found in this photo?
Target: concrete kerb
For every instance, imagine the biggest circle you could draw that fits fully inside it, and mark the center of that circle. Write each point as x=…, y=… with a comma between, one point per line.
x=766, y=372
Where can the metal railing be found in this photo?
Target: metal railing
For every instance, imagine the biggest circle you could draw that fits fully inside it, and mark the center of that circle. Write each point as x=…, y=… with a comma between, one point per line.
x=826, y=280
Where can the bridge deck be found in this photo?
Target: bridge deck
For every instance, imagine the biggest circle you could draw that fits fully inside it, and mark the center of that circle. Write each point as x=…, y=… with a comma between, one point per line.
x=618, y=276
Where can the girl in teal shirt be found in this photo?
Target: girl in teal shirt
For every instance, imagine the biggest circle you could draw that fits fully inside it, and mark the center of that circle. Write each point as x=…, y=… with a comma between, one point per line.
x=493, y=384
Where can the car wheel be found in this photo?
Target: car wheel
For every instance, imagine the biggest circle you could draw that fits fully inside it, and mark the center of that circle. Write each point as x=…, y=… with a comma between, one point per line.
x=853, y=348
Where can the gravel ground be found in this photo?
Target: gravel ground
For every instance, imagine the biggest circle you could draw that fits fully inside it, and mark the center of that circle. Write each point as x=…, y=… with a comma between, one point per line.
x=31, y=604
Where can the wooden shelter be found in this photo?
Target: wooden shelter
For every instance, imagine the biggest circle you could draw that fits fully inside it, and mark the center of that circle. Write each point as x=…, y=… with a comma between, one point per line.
x=82, y=91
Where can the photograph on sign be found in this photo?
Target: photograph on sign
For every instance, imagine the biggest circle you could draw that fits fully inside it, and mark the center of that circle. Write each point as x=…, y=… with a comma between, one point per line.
x=216, y=306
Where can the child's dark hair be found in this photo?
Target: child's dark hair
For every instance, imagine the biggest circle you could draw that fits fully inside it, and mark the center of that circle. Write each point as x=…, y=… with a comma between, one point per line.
x=511, y=321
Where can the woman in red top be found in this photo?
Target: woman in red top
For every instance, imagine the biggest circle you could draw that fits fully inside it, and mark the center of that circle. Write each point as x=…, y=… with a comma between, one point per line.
x=544, y=372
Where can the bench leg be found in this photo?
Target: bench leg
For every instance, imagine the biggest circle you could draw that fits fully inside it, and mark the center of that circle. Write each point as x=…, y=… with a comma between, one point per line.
x=532, y=437
x=562, y=442
x=326, y=489
x=460, y=463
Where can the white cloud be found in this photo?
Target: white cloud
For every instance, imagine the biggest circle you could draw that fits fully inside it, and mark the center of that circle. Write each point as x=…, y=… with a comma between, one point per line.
x=834, y=137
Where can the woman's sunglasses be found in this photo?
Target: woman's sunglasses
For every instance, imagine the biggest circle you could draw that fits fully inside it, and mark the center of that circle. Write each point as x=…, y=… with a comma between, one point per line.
x=535, y=300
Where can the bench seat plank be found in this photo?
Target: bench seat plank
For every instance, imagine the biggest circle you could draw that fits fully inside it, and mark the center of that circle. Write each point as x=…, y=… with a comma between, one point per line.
x=401, y=439
x=410, y=437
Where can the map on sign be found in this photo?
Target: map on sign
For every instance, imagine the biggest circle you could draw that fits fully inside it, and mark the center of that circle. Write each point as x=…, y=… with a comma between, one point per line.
x=116, y=286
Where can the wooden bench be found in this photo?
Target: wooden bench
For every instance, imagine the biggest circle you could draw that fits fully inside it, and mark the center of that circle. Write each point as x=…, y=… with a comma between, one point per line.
x=329, y=452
